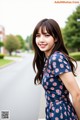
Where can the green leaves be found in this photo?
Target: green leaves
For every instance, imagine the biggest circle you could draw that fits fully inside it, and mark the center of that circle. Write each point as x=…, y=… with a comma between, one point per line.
x=71, y=32
x=11, y=43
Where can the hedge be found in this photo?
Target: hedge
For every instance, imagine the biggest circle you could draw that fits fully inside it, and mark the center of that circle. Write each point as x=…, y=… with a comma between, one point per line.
x=2, y=56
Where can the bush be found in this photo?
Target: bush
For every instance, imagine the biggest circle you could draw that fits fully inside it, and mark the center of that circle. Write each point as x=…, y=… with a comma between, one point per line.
x=75, y=55
x=1, y=56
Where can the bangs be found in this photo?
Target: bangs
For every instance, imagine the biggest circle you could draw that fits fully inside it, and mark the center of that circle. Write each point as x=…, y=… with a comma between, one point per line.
x=45, y=25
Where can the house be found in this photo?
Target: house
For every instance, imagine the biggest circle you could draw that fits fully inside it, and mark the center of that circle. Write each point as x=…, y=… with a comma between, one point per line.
x=2, y=38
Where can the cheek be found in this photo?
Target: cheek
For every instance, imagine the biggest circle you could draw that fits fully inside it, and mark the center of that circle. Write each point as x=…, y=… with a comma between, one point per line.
x=36, y=41
x=52, y=42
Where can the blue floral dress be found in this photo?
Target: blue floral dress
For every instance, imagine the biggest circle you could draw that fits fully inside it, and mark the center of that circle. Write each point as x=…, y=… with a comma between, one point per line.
x=58, y=104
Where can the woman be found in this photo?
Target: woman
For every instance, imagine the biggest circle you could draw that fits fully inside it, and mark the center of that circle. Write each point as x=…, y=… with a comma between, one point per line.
x=55, y=71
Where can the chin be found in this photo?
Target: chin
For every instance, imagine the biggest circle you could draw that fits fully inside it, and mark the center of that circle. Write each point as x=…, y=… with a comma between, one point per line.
x=42, y=50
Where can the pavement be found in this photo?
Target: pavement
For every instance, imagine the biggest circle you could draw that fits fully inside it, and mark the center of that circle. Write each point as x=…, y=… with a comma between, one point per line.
x=43, y=102
x=18, y=94
x=11, y=58
x=42, y=119
x=14, y=58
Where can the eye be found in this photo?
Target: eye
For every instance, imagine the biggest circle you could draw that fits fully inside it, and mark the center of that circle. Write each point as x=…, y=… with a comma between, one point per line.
x=47, y=35
x=37, y=35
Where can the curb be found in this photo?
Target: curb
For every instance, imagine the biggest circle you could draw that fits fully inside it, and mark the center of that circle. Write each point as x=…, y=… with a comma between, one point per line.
x=3, y=66
x=14, y=60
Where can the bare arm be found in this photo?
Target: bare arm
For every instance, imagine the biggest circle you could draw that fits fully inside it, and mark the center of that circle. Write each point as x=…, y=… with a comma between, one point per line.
x=72, y=86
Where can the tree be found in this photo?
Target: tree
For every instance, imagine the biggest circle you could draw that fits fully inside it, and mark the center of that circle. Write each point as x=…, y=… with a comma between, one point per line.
x=21, y=41
x=71, y=32
x=29, y=41
x=11, y=43
x=1, y=44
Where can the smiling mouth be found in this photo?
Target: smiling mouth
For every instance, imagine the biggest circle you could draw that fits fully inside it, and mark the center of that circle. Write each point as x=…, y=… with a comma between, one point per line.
x=42, y=45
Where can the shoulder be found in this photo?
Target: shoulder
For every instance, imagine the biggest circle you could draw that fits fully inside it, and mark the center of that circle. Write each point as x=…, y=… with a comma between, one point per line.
x=59, y=63
x=57, y=56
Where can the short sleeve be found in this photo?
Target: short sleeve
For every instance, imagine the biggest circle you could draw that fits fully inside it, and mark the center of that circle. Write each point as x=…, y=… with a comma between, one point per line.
x=59, y=63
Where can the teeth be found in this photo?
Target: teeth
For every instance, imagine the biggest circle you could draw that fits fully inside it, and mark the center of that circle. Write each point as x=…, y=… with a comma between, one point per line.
x=42, y=44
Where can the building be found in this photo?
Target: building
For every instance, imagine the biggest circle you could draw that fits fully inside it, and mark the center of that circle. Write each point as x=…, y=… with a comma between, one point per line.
x=2, y=38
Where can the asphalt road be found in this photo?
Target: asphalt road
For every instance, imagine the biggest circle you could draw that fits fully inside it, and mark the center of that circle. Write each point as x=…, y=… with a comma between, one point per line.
x=18, y=94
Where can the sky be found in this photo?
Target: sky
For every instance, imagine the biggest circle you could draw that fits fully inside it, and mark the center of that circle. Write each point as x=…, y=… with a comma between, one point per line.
x=19, y=17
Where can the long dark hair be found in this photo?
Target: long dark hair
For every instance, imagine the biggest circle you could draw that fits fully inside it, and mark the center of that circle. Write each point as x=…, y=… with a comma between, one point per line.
x=53, y=29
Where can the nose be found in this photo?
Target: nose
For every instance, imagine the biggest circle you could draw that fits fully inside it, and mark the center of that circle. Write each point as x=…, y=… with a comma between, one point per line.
x=41, y=38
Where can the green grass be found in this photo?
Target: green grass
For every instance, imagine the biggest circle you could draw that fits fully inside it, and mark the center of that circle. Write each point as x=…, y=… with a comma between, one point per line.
x=5, y=62
x=75, y=55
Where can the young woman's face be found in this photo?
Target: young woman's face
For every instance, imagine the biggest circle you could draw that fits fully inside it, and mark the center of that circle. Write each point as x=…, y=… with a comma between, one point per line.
x=45, y=42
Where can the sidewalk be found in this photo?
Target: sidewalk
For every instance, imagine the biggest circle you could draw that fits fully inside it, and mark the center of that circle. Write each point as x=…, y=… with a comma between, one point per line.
x=43, y=102
x=14, y=58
